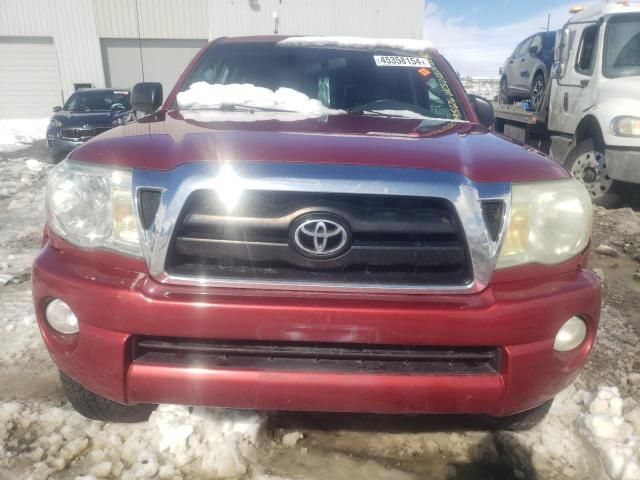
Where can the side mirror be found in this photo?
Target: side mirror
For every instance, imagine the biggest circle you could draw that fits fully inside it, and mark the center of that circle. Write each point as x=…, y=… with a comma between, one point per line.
x=56, y=109
x=146, y=97
x=533, y=50
x=556, y=70
x=500, y=71
x=483, y=109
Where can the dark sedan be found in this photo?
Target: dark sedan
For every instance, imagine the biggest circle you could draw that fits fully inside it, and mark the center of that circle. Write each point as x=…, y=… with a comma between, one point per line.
x=85, y=114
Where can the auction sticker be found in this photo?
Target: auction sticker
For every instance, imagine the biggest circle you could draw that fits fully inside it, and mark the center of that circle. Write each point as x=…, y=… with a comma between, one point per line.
x=396, y=61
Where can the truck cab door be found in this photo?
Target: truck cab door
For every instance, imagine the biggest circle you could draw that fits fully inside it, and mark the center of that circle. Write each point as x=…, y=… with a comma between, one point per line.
x=572, y=92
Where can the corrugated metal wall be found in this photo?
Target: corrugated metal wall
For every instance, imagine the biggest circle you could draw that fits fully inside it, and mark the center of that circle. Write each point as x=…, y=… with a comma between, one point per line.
x=172, y=19
x=371, y=18
x=77, y=26
x=71, y=24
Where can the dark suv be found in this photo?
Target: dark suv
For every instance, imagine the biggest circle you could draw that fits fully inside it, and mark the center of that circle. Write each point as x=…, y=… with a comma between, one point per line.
x=526, y=71
x=87, y=113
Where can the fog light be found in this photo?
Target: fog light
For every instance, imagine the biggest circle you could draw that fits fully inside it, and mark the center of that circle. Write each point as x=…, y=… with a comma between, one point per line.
x=571, y=335
x=60, y=317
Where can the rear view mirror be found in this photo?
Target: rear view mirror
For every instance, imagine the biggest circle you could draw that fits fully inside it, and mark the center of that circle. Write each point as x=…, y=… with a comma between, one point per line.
x=556, y=70
x=146, y=97
x=56, y=109
x=483, y=109
x=533, y=50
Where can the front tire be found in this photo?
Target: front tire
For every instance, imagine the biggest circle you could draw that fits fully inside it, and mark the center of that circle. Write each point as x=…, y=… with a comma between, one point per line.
x=588, y=164
x=537, y=91
x=518, y=421
x=95, y=407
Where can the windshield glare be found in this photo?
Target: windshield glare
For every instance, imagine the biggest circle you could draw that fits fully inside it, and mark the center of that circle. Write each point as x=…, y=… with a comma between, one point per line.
x=88, y=101
x=340, y=79
x=622, y=46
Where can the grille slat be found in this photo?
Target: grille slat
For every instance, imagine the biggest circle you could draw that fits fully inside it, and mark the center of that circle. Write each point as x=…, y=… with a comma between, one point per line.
x=330, y=357
x=405, y=240
x=79, y=133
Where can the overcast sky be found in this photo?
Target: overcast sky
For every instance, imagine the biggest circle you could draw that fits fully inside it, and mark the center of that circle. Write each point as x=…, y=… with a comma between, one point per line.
x=476, y=36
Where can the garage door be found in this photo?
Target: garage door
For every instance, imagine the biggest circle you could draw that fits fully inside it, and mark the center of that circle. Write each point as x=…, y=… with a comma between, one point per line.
x=29, y=79
x=163, y=60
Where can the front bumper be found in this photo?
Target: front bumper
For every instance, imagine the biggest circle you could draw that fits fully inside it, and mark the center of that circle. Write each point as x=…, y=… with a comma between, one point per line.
x=59, y=144
x=114, y=304
x=623, y=164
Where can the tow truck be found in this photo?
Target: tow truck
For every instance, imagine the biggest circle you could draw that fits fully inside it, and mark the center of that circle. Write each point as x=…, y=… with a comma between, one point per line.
x=589, y=120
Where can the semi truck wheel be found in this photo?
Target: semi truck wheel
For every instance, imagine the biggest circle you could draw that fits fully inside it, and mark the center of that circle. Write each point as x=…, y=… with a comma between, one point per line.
x=519, y=421
x=537, y=91
x=587, y=163
x=96, y=407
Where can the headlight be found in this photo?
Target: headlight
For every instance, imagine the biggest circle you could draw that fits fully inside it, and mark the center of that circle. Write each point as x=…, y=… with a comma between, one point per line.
x=626, y=126
x=55, y=123
x=91, y=206
x=549, y=222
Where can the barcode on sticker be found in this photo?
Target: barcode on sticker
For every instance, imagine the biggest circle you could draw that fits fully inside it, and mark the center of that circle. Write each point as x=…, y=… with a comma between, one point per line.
x=396, y=61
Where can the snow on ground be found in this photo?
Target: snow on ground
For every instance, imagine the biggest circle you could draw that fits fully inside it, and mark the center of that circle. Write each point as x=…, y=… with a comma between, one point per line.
x=202, y=95
x=591, y=432
x=19, y=133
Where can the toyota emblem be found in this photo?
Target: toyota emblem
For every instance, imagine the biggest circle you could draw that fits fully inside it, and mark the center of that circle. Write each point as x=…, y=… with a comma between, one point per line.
x=320, y=236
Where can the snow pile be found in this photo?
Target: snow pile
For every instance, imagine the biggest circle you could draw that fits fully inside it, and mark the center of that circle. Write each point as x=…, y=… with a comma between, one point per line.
x=175, y=443
x=403, y=44
x=202, y=95
x=615, y=435
x=17, y=133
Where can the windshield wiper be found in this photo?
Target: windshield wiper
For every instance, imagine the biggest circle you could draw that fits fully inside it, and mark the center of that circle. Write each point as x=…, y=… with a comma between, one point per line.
x=239, y=107
x=375, y=113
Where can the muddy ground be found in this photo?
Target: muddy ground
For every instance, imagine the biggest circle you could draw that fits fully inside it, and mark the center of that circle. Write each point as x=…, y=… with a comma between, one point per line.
x=42, y=437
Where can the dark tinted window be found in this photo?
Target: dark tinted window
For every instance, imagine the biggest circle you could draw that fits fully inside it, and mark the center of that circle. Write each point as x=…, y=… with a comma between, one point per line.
x=586, y=53
x=98, y=101
x=622, y=46
x=339, y=78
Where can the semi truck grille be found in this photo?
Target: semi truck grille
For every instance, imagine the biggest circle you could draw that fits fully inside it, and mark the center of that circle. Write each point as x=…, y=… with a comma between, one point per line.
x=321, y=238
x=330, y=357
x=79, y=133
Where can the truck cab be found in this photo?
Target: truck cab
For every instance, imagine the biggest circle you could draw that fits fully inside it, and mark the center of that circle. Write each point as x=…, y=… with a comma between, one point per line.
x=590, y=121
x=595, y=98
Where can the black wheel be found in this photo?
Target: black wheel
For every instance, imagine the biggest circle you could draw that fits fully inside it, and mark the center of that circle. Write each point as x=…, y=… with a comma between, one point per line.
x=503, y=96
x=519, y=421
x=587, y=163
x=96, y=407
x=537, y=91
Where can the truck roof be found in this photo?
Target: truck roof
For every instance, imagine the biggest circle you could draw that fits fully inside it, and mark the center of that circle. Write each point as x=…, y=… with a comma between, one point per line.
x=602, y=10
x=364, y=43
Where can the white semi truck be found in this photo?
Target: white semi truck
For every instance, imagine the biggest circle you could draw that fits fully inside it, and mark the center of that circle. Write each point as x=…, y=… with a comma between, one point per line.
x=590, y=117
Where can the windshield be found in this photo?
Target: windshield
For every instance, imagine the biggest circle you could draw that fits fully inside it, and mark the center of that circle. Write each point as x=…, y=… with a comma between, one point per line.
x=622, y=46
x=98, y=101
x=348, y=81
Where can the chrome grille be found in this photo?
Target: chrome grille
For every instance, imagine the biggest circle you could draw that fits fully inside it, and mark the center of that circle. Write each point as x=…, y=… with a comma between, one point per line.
x=400, y=239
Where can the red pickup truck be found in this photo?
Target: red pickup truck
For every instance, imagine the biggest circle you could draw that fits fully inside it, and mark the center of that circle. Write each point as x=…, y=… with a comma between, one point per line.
x=315, y=224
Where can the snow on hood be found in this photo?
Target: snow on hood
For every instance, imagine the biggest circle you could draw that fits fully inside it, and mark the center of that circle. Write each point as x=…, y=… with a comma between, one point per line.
x=18, y=133
x=203, y=95
x=404, y=44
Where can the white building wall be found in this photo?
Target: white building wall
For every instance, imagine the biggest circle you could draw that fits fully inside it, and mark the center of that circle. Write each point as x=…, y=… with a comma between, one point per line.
x=75, y=38
x=370, y=18
x=77, y=26
x=159, y=19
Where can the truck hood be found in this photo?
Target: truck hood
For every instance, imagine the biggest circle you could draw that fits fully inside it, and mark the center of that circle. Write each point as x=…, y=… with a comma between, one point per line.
x=623, y=90
x=167, y=139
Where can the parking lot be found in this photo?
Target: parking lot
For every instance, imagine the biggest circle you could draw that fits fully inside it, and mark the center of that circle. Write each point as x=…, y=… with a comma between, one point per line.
x=583, y=437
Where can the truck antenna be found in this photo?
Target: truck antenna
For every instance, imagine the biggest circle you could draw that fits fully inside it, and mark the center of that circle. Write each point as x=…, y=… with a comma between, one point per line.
x=139, y=42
